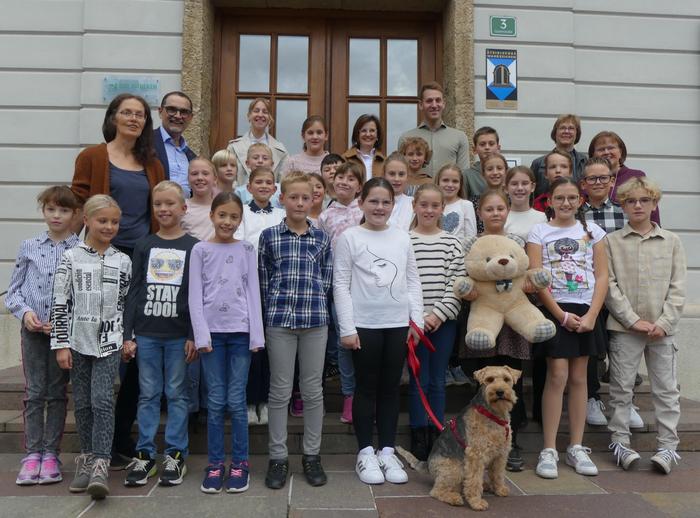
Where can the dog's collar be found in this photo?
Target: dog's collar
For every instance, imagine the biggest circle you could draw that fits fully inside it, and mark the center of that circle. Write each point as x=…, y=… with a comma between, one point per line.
x=504, y=285
x=483, y=411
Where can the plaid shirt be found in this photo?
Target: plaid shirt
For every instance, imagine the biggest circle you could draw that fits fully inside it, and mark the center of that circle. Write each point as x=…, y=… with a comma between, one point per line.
x=608, y=216
x=296, y=271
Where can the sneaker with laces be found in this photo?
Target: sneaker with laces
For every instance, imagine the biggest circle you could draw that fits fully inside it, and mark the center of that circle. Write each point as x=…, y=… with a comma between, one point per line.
x=367, y=468
x=449, y=378
x=252, y=416
x=577, y=457
x=174, y=469
x=313, y=471
x=636, y=420
x=29, y=473
x=594, y=412
x=664, y=459
x=98, y=488
x=213, y=479
x=459, y=376
x=83, y=469
x=238, y=477
x=625, y=457
x=296, y=406
x=140, y=469
x=392, y=468
x=346, y=416
x=276, y=476
x=515, y=460
x=263, y=414
x=547, y=463
x=50, y=469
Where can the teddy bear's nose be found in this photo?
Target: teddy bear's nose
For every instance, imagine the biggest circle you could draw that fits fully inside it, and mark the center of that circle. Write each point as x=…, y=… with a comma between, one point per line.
x=503, y=261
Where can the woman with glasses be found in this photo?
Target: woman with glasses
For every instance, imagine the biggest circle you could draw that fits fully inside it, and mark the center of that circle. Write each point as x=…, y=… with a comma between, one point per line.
x=126, y=168
x=566, y=133
x=609, y=145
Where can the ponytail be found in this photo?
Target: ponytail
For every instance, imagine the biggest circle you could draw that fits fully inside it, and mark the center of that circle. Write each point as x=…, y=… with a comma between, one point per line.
x=581, y=216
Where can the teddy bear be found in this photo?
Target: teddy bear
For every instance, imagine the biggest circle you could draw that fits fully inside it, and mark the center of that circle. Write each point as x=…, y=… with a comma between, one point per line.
x=497, y=269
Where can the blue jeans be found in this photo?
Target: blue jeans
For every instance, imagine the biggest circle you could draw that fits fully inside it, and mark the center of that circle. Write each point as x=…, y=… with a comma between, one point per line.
x=345, y=364
x=432, y=375
x=226, y=372
x=162, y=368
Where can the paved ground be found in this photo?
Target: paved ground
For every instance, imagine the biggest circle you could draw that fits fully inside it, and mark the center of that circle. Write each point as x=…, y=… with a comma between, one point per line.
x=641, y=494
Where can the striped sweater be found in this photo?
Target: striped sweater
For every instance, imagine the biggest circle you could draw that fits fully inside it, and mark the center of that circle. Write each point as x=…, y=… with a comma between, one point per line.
x=440, y=259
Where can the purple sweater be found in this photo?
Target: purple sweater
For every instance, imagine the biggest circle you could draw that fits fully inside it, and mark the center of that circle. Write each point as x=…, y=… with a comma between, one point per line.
x=624, y=174
x=224, y=292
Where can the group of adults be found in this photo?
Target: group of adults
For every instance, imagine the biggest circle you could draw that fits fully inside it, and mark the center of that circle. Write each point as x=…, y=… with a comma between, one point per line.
x=135, y=157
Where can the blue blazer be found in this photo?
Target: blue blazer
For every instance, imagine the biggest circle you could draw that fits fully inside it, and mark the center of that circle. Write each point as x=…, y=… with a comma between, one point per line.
x=162, y=155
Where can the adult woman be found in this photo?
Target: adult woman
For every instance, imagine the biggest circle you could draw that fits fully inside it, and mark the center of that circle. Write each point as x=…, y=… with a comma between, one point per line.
x=126, y=168
x=260, y=119
x=366, y=141
x=609, y=145
x=566, y=133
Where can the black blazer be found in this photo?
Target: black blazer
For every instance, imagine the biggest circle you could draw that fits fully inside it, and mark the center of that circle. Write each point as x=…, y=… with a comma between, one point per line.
x=162, y=155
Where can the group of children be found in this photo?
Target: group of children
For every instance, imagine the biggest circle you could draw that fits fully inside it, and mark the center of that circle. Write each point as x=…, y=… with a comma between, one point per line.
x=255, y=289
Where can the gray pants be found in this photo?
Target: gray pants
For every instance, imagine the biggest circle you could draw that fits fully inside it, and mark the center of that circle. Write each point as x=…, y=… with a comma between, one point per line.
x=93, y=394
x=45, y=387
x=282, y=348
x=625, y=355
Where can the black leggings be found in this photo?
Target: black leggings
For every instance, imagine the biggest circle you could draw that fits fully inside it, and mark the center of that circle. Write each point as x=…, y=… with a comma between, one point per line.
x=378, y=365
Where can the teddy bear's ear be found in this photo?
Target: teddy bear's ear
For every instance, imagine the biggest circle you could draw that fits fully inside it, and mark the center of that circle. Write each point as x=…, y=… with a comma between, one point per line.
x=469, y=243
x=517, y=239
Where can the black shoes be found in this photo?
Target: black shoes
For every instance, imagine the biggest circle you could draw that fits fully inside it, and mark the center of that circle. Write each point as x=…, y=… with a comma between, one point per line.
x=420, y=438
x=276, y=476
x=313, y=470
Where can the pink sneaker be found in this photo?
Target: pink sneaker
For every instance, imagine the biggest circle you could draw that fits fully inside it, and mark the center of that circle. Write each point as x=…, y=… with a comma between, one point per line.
x=29, y=474
x=346, y=416
x=296, y=408
x=50, y=469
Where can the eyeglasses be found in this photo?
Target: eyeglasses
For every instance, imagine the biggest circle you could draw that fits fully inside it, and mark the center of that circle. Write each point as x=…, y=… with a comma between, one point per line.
x=567, y=128
x=604, y=179
x=604, y=149
x=573, y=199
x=172, y=110
x=128, y=114
x=631, y=202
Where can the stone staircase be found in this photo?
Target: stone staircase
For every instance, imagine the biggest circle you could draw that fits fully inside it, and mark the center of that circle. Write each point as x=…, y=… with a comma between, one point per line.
x=338, y=438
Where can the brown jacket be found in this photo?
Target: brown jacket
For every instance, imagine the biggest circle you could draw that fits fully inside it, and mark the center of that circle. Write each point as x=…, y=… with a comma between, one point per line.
x=353, y=155
x=91, y=175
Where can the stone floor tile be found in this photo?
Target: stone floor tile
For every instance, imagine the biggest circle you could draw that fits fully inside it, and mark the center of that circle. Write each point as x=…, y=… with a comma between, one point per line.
x=343, y=491
x=687, y=480
x=322, y=513
x=678, y=505
x=568, y=483
x=43, y=507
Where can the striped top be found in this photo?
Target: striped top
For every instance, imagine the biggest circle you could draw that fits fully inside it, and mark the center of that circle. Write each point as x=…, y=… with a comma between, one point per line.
x=31, y=286
x=440, y=260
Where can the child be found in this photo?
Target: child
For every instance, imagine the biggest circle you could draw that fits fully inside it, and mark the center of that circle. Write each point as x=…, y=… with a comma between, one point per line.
x=511, y=348
x=493, y=170
x=417, y=153
x=572, y=251
x=520, y=184
x=259, y=155
x=314, y=133
x=226, y=317
x=28, y=299
x=89, y=291
x=377, y=291
x=486, y=142
x=341, y=215
x=440, y=258
x=157, y=314
x=318, y=185
x=643, y=318
x=296, y=270
x=329, y=165
x=556, y=164
x=226, y=170
x=201, y=176
x=396, y=173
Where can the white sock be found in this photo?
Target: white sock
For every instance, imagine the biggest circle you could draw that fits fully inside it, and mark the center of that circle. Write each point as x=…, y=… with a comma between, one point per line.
x=387, y=451
x=369, y=450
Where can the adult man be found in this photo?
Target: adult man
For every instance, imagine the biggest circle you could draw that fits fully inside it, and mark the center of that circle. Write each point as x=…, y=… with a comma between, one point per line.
x=447, y=144
x=175, y=115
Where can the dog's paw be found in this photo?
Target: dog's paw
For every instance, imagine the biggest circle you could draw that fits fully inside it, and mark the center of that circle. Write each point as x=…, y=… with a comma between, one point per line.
x=501, y=491
x=478, y=504
x=451, y=498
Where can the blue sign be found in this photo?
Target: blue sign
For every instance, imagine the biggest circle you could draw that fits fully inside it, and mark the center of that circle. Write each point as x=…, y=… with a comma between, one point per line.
x=145, y=86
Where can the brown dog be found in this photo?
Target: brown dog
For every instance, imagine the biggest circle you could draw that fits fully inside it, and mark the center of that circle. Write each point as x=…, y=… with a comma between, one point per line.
x=475, y=441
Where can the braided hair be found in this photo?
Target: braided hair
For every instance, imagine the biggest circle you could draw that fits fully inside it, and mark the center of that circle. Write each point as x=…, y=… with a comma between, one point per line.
x=580, y=214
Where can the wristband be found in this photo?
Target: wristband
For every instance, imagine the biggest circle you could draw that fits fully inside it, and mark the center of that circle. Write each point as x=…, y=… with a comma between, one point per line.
x=566, y=317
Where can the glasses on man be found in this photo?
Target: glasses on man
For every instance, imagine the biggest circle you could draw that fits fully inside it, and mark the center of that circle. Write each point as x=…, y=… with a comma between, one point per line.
x=644, y=202
x=128, y=114
x=604, y=179
x=172, y=111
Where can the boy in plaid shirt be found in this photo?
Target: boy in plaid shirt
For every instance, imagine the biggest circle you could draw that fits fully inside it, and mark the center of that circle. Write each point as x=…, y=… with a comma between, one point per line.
x=596, y=182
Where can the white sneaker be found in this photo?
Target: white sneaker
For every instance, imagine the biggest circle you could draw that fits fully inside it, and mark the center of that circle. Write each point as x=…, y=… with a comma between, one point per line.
x=577, y=457
x=367, y=468
x=663, y=460
x=392, y=468
x=263, y=414
x=547, y=463
x=625, y=457
x=252, y=415
x=635, y=419
x=594, y=412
